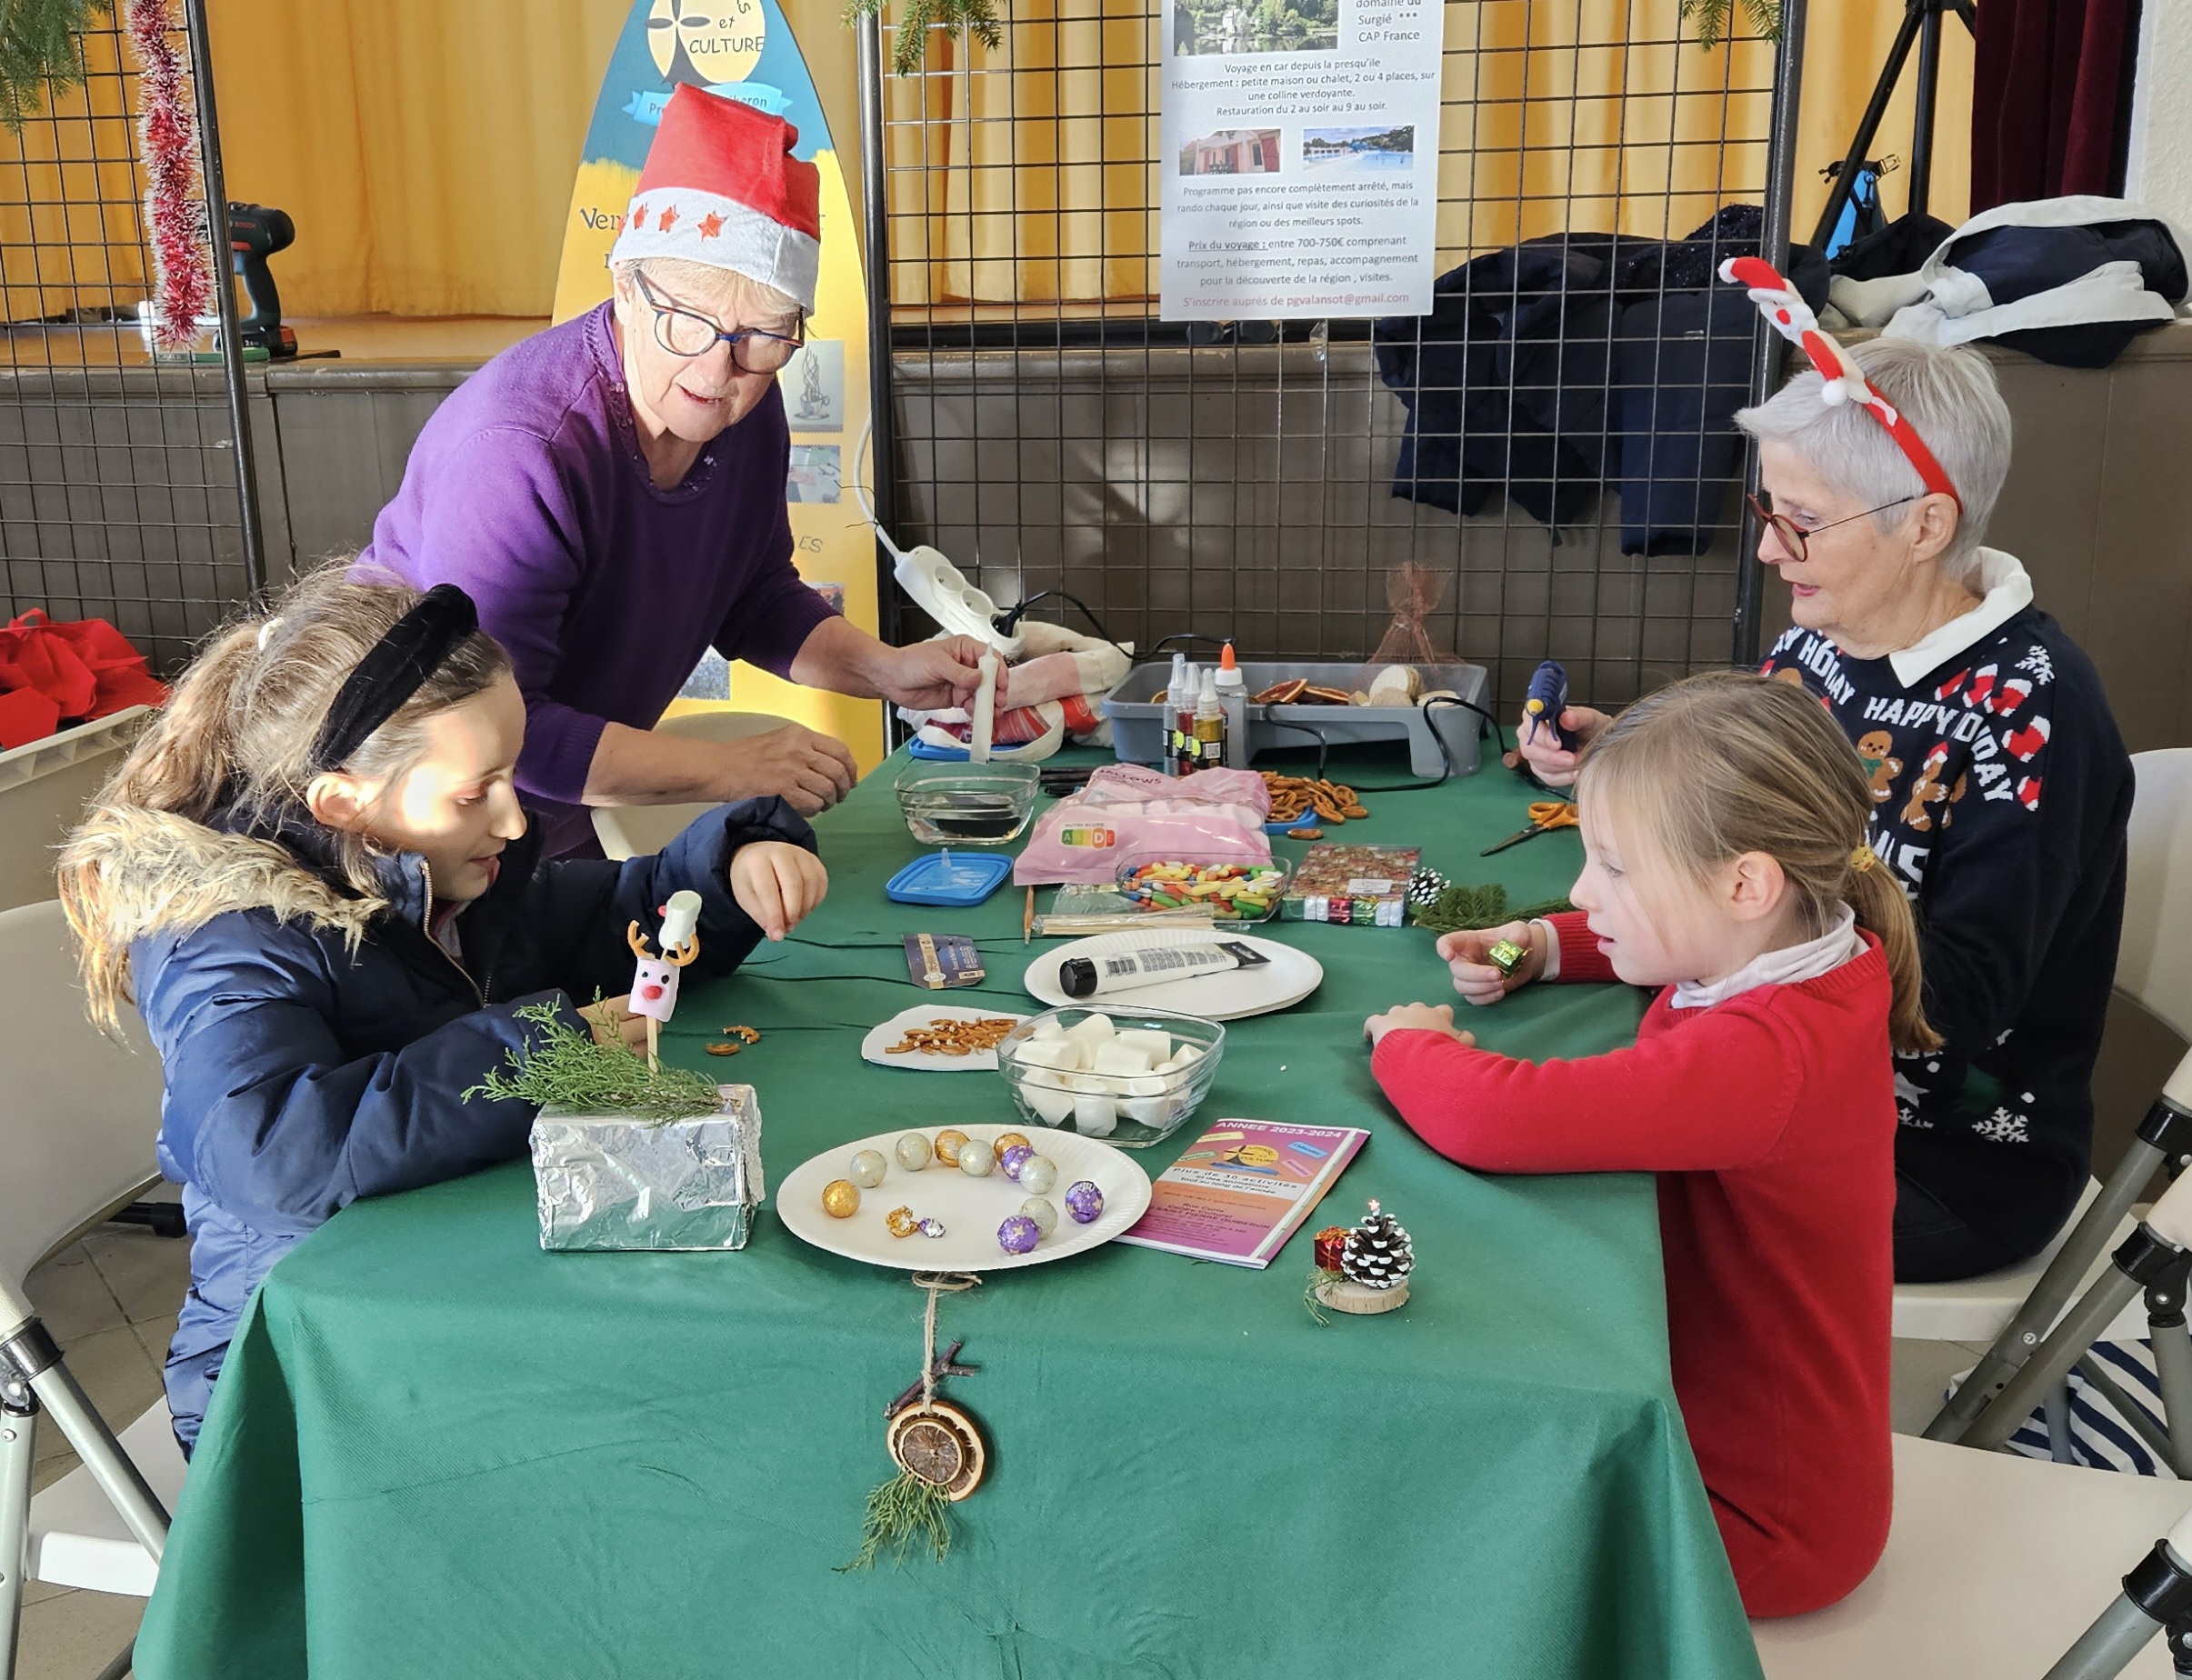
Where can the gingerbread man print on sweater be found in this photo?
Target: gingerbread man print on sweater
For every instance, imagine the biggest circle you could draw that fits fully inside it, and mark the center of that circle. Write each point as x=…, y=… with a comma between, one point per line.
x=1881, y=767
x=1927, y=790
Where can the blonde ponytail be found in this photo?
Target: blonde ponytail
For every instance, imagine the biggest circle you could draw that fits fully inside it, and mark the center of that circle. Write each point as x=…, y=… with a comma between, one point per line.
x=1726, y=763
x=1883, y=910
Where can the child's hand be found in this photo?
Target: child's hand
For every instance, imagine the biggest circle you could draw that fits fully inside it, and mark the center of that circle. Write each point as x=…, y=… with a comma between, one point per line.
x=1417, y=1017
x=1475, y=977
x=612, y=1021
x=777, y=884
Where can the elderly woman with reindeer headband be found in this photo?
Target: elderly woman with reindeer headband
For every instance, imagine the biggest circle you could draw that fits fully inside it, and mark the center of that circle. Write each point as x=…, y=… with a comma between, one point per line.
x=2000, y=786
x=612, y=493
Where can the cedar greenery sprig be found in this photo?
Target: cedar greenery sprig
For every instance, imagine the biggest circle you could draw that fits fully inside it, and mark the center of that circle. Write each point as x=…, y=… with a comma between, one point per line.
x=39, y=50
x=900, y=1512
x=568, y=1069
x=1458, y=908
x=977, y=17
x=1714, y=16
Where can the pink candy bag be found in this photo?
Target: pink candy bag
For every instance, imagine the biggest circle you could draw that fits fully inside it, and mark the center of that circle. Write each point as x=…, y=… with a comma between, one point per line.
x=1130, y=814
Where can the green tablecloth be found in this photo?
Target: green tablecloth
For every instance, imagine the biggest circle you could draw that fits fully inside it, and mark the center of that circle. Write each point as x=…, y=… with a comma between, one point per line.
x=436, y=1451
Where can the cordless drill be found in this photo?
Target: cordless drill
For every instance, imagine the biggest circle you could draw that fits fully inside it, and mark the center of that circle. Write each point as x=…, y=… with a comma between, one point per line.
x=256, y=231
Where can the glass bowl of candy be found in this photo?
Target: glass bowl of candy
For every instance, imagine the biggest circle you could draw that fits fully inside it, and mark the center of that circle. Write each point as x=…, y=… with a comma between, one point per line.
x=948, y=803
x=1229, y=892
x=1131, y=1077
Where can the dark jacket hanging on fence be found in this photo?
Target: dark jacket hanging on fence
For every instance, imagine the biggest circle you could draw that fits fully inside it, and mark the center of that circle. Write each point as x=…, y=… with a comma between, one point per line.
x=1583, y=360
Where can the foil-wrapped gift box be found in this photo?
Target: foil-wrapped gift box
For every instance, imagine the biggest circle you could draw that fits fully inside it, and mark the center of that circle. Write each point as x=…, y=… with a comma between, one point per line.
x=612, y=1181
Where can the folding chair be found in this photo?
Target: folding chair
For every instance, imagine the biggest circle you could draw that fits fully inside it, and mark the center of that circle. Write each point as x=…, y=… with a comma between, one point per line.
x=1993, y=1559
x=2154, y=969
x=76, y=1129
x=633, y=831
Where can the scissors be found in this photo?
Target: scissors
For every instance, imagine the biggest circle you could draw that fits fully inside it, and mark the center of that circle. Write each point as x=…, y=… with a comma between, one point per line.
x=1546, y=816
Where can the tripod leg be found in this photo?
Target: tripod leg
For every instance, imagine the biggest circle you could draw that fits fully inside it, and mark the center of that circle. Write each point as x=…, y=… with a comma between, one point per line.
x=1921, y=132
x=1915, y=13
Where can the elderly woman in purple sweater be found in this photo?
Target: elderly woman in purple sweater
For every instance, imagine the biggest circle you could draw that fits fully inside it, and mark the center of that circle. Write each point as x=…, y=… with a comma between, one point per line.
x=611, y=492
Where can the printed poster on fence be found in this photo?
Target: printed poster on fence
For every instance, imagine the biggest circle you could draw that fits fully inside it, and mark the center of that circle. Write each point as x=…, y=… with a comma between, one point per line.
x=1300, y=158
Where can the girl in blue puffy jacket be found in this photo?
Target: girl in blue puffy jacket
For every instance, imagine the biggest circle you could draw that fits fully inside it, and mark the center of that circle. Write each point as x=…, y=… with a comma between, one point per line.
x=313, y=878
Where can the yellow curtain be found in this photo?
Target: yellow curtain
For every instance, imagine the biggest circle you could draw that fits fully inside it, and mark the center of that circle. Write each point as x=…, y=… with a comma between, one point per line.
x=1028, y=175
x=424, y=148
x=69, y=222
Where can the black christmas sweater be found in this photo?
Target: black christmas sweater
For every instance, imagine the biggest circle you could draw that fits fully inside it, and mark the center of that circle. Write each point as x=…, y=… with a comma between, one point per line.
x=2001, y=791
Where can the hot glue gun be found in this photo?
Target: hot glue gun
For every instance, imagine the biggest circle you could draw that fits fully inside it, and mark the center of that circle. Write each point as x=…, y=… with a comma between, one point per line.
x=1546, y=700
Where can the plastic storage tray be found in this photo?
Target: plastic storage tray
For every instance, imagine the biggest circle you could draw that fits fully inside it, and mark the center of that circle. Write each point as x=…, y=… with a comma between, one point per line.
x=1137, y=720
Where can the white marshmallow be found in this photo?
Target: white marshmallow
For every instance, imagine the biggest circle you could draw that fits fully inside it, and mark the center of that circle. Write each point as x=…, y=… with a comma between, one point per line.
x=1121, y=1059
x=1156, y=1045
x=1095, y=1116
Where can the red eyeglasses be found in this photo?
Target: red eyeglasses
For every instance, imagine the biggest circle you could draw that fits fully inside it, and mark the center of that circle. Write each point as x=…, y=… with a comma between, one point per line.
x=1793, y=536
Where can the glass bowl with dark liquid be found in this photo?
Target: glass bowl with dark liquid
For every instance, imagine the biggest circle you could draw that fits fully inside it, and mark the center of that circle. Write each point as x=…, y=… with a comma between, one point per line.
x=954, y=804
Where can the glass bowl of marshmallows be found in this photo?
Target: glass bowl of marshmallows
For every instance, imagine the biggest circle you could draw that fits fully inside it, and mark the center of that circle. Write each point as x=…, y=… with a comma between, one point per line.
x=1131, y=1077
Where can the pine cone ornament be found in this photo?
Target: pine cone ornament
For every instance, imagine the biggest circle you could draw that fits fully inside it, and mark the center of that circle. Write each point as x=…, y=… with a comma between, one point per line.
x=1424, y=886
x=1377, y=1252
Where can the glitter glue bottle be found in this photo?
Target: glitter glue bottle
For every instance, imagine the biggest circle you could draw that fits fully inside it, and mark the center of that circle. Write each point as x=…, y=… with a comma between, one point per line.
x=1209, y=726
x=1182, y=701
x=1169, y=726
x=1233, y=700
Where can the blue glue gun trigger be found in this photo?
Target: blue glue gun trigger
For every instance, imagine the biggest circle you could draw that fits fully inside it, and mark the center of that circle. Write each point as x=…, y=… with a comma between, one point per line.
x=1546, y=700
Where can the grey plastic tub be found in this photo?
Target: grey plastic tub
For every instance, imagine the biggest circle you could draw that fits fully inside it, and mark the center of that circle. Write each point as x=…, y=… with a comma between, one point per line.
x=1137, y=720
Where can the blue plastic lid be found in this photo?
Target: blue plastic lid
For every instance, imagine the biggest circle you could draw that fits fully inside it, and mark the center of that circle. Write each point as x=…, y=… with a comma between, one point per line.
x=952, y=881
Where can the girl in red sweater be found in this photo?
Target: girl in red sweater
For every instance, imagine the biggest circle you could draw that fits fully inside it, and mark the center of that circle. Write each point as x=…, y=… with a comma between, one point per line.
x=1725, y=861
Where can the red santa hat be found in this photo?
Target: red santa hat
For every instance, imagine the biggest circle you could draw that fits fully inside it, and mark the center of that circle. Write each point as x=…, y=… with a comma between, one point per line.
x=722, y=187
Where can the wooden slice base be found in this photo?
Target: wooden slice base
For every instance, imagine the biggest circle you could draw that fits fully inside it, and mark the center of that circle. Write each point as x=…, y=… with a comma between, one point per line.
x=1344, y=1296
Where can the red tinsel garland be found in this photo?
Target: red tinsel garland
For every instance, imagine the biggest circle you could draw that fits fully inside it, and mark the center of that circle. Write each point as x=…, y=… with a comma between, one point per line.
x=174, y=206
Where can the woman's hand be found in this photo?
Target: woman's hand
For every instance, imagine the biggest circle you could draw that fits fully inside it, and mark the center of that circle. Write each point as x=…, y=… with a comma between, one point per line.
x=611, y=1020
x=934, y=676
x=1475, y=977
x=1415, y=1018
x=1549, y=762
x=777, y=884
x=813, y=771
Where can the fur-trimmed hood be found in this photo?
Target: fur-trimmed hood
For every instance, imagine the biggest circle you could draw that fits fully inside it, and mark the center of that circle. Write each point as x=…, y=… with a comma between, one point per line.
x=127, y=873
x=160, y=873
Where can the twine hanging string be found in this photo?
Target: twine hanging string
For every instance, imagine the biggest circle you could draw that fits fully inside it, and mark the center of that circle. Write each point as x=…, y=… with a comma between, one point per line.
x=936, y=1284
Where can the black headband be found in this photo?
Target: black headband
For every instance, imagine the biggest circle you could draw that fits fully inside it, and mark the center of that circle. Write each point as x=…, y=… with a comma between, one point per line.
x=396, y=668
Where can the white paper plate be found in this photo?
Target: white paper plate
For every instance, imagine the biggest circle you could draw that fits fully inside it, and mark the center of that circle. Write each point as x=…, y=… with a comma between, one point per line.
x=971, y=1209
x=890, y=1031
x=1231, y=995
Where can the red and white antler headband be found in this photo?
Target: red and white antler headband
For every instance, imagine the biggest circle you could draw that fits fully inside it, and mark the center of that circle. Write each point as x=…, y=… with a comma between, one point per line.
x=1791, y=316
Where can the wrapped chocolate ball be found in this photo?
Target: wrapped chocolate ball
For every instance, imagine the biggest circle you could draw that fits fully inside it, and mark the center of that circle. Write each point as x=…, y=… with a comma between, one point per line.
x=1038, y=1174
x=841, y=1198
x=976, y=1159
x=1084, y=1201
x=867, y=1168
x=1043, y=1211
x=1019, y=1235
x=913, y=1151
x=1006, y=1140
x=1012, y=1158
x=948, y=1143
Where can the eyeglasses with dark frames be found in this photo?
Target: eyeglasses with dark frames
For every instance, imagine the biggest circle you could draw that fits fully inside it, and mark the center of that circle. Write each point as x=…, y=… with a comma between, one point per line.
x=687, y=335
x=1794, y=536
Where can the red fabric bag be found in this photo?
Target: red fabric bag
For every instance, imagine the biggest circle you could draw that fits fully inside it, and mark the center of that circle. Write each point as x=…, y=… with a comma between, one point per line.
x=55, y=673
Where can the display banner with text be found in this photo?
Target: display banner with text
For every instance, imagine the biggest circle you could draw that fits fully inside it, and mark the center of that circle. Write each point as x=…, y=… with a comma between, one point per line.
x=1300, y=158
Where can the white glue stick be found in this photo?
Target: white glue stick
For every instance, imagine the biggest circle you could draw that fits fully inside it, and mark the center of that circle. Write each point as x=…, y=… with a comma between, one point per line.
x=1122, y=971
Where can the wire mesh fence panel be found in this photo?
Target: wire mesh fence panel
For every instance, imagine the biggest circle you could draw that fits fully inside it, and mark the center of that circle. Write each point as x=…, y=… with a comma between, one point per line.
x=1554, y=441
x=118, y=475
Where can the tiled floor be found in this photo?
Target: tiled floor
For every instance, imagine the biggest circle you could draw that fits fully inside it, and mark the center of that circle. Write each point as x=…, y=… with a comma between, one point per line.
x=110, y=1300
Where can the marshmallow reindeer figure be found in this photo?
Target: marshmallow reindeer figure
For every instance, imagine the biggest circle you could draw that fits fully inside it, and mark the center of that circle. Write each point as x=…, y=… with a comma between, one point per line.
x=655, y=979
